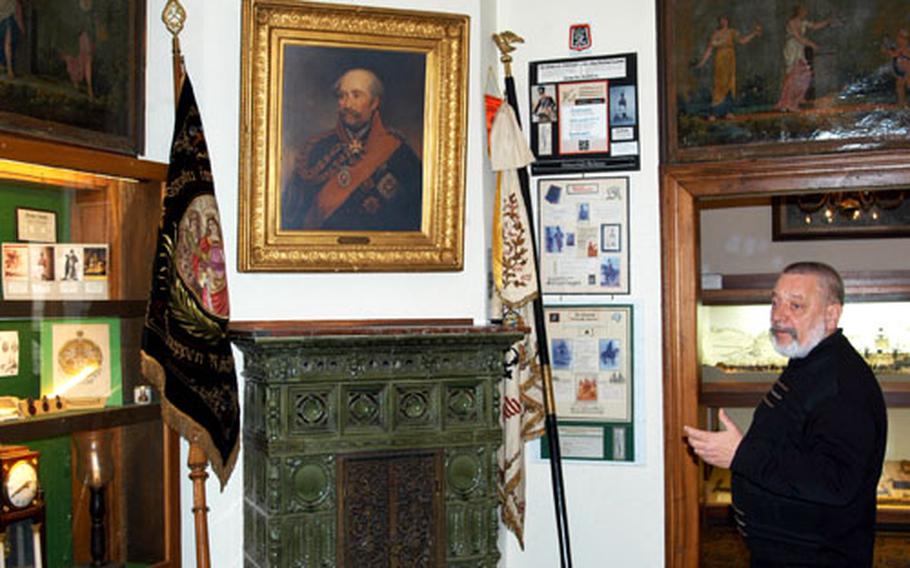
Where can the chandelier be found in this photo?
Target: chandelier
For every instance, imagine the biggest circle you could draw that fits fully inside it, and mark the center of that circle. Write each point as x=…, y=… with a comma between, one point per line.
x=858, y=206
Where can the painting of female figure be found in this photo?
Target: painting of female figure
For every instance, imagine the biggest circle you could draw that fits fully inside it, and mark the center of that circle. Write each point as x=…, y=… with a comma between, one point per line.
x=73, y=71
x=723, y=45
x=210, y=269
x=200, y=256
x=799, y=73
x=11, y=25
x=79, y=63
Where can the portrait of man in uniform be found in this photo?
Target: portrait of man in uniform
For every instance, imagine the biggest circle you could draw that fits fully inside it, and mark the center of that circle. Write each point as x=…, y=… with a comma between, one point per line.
x=353, y=140
x=352, y=137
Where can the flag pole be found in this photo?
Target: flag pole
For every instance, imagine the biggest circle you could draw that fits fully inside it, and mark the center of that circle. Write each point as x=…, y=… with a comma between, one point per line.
x=174, y=15
x=504, y=42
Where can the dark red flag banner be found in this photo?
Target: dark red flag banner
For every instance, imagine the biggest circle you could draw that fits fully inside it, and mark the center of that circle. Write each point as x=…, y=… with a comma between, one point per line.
x=186, y=353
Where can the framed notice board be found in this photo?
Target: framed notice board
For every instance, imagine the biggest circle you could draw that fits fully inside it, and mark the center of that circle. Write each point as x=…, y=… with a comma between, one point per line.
x=584, y=224
x=591, y=359
x=584, y=114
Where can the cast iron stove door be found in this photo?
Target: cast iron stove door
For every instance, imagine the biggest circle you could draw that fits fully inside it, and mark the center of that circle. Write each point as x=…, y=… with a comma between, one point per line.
x=391, y=511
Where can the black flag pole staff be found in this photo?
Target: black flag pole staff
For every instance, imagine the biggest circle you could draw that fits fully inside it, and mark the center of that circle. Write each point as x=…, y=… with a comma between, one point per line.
x=186, y=352
x=504, y=42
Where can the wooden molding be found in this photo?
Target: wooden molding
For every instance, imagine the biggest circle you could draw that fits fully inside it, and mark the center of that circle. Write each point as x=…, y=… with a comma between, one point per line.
x=867, y=286
x=34, y=151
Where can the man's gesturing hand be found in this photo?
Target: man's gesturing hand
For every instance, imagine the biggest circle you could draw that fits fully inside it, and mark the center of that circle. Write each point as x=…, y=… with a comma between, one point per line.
x=716, y=448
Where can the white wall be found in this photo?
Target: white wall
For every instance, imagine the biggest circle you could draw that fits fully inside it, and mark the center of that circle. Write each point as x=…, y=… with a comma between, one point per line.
x=738, y=241
x=615, y=511
x=611, y=507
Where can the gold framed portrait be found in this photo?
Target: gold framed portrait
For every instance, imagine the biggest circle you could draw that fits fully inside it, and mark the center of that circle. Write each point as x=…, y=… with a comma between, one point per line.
x=353, y=138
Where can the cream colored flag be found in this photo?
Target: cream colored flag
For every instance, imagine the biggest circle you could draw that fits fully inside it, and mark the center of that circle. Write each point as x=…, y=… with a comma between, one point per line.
x=515, y=280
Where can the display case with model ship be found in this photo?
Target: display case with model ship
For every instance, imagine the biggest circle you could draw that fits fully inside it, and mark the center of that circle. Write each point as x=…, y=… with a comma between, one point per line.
x=739, y=364
x=92, y=468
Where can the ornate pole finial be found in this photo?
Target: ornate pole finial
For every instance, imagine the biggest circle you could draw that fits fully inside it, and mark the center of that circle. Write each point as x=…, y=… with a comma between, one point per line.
x=504, y=41
x=174, y=15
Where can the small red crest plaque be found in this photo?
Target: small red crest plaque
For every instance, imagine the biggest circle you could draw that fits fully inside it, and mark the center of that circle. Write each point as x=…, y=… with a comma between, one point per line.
x=579, y=37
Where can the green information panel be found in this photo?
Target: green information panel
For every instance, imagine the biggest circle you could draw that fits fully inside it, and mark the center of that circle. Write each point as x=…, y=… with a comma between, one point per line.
x=591, y=358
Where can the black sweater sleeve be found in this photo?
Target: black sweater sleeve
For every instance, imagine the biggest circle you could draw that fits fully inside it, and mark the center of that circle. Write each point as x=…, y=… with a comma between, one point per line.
x=826, y=464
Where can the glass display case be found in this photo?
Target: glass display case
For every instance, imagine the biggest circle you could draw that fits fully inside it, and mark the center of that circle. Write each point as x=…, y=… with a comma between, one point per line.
x=78, y=229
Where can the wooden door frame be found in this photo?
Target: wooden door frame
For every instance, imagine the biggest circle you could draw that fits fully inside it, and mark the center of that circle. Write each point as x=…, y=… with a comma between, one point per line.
x=682, y=189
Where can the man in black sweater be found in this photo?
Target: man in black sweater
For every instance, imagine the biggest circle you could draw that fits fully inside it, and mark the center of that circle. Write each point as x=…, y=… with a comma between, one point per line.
x=806, y=471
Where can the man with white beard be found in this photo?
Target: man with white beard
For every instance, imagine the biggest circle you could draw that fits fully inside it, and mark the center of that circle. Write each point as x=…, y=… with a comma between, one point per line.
x=806, y=471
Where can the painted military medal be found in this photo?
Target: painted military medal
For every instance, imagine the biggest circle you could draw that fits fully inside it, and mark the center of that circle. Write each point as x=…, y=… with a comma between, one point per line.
x=354, y=150
x=344, y=176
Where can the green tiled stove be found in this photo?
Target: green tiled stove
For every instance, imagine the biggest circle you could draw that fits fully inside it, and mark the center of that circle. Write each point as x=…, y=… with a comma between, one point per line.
x=371, y=445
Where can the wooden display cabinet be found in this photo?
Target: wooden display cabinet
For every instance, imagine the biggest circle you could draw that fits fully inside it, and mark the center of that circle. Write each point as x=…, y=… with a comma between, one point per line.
x=685, y=190
x=116, y=200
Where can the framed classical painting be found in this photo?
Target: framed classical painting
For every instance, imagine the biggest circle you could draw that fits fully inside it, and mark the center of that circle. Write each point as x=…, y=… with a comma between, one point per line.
x=72, y=71
x=352, y=153
x=746, y=79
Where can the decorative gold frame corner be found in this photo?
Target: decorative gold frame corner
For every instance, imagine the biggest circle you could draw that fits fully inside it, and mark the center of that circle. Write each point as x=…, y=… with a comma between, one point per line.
x=263, y=245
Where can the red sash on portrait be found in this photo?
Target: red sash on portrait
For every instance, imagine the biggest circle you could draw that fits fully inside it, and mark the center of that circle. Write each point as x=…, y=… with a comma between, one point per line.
x=379, y=147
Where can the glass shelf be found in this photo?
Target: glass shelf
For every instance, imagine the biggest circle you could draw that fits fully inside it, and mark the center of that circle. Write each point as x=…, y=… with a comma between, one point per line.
x=24, y=309
x=69, y=421
x=869, y=286
x=749, y=394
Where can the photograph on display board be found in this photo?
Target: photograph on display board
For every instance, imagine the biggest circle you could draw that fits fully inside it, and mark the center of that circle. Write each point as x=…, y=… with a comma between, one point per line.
x=69, y=263
x=42, y=264
x=543, y=104
x=96, y=263
x=622, y=105
x=15, y=261
x=15, y=270
x=9, y=353
x=585, y=230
